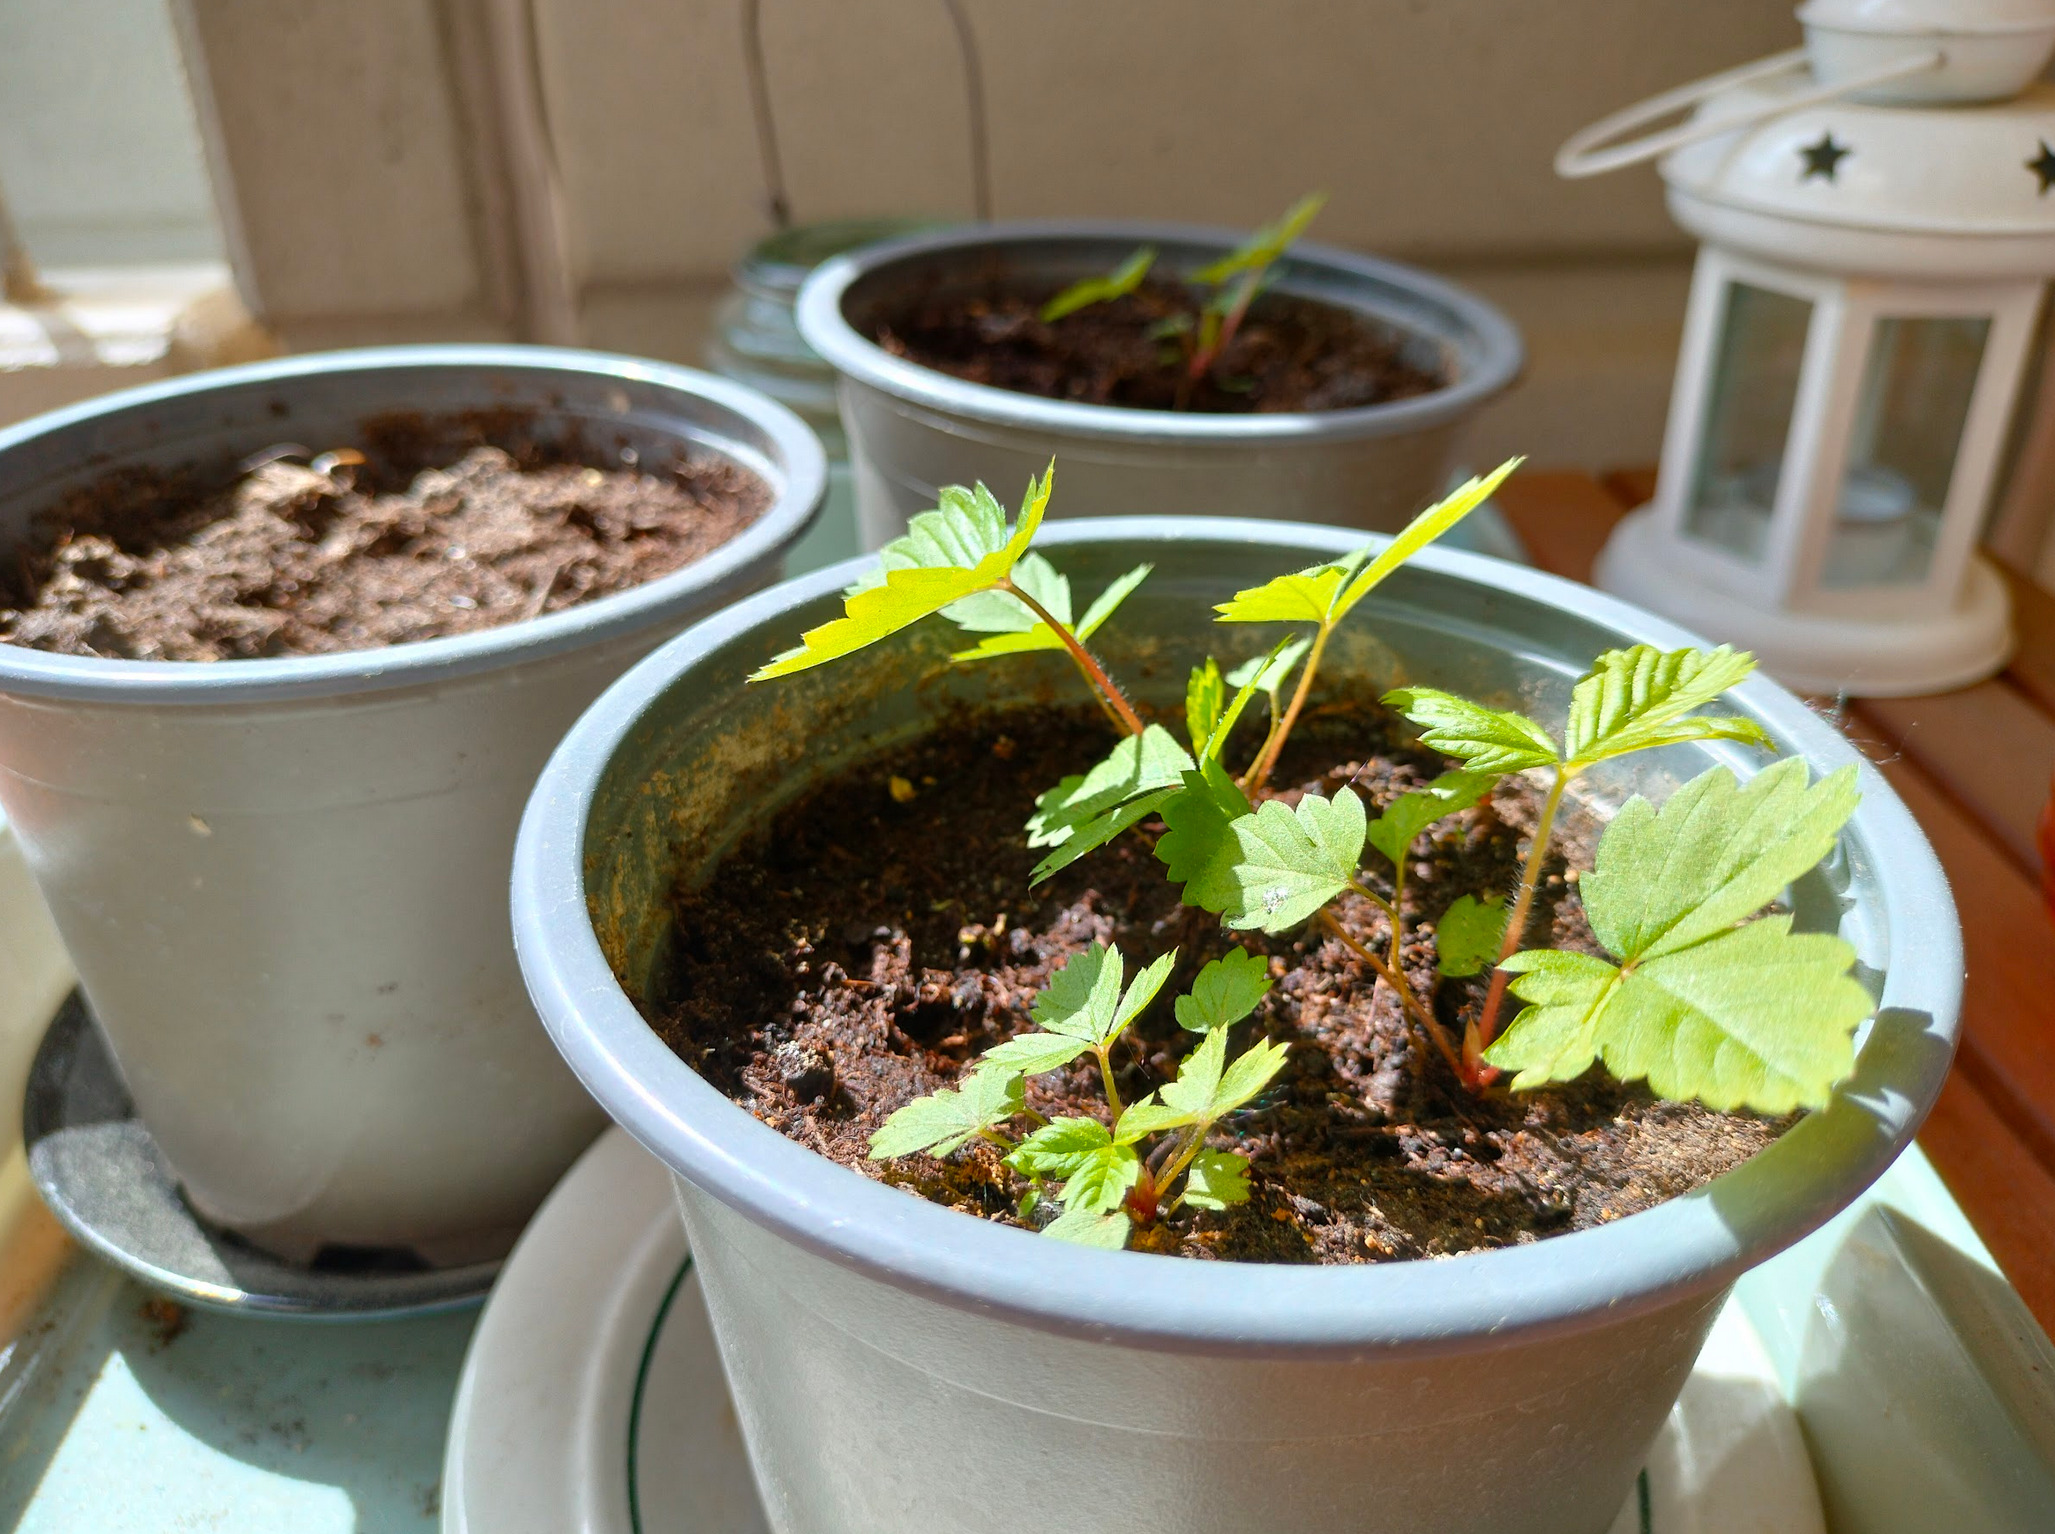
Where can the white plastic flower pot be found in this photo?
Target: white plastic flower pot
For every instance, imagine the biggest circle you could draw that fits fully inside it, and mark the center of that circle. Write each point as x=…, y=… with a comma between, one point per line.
x=281, y=881
x=912, y=429
x=901, y=1368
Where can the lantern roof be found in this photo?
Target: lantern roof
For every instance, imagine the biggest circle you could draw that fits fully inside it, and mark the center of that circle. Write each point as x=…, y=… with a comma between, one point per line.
x=1899, y=190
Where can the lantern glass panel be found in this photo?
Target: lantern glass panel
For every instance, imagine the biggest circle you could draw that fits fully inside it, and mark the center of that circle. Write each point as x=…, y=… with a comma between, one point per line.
x=1909, y=416
x=1749, y=400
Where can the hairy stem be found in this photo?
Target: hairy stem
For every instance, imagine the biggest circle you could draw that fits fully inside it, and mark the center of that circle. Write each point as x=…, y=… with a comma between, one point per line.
x=1486, y=1027
x=1110, y=696
x=1259, y=773
x=1397, y=981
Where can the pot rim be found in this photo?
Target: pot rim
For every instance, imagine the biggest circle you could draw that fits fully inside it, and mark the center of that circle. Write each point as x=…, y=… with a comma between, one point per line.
x=1697, y=1243
x=796, y=472
x=1500, y=354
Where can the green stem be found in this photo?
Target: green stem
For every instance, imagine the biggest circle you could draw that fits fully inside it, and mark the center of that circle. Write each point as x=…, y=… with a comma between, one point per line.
x=1259, y=774
x=1486, y=1027
x=1398, y=904
x=1110, y=696
x=1106, y=1075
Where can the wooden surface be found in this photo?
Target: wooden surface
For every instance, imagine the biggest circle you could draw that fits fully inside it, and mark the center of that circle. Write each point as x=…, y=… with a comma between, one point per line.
x=1975, y=768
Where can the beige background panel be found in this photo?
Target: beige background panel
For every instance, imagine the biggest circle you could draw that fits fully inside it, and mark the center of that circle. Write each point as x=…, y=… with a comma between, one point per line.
x=337, y=161
x=848, y=147
x=1433, y=124
x=648, y=112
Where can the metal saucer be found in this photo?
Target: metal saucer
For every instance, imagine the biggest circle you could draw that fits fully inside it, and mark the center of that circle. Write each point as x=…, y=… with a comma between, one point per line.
x=108, y=1184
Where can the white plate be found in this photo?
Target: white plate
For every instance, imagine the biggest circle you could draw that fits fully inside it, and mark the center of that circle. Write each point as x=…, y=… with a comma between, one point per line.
x=592, y=1400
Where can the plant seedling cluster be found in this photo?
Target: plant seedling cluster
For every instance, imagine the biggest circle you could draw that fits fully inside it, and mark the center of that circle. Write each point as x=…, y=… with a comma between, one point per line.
x=1197, y=339
x=1706, y=995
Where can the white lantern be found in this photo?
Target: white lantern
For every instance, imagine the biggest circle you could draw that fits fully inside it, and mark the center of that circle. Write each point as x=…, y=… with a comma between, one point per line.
x=1878, y=218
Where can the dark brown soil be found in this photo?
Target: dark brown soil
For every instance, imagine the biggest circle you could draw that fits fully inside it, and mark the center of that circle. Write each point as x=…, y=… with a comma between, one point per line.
x=1289, y=354
x=872, y=945
x=299, y=557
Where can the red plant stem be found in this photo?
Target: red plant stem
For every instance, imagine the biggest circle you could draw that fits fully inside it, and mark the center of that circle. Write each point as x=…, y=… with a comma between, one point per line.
x=1523, y=906
x=1404, y=992
x=1110, y=696
x=1229, y=324
x=1259, y=773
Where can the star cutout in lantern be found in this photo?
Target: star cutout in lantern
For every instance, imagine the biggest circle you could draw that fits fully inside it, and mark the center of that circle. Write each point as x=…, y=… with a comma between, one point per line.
x=1821, y=158
x=2043, y=165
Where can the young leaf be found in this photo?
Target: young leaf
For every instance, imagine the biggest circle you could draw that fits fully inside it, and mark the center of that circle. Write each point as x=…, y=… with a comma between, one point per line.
x=1749, y=1016
x=1245, y=690
x=1636, y=698
x=1469, y=935
x=1270, y=672
x=941, y=1121
x=1031, y=1054
x=1216, y=1179
x=1400, y=823
x=1714, y=854
x=1099, y=830
x=1205, y=695
x=1226, y=991
x=1082, y=1227
x=1100, y=1181
x=1086, y=291
x=1483, y=739
x=1267, y=243
x=1204, y=1092
x=1137, y=765
x=1083, y=1000
x=960, y=548
x=1291, y=862
x=1196, y=847
x=1325, y=593
x=1013, y=630
x=1059, y=1147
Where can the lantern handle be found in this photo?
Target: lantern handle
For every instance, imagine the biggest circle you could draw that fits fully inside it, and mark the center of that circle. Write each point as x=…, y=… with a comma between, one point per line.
x=1580, y=155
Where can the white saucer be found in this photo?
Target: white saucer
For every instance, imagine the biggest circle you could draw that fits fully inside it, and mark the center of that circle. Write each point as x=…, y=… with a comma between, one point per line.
x=592, y=1400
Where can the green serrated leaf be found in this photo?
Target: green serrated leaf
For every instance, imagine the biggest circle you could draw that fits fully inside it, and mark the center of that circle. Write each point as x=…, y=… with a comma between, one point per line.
x=1230, y=716
x=1267, y=243
x=1014, y=630
x=961, y=548
x=1483, y=739
x=1400, y=823
x=1226, y=991
x=1291, y=862
x=1100, y=1180
x=1268, y=673
x=1059, y=1147
x=1206, y=1088
x=1099, y=830
x=1324, y=593
x=1714, y=854
x=1421, y=531
x=1756, y=1017
x=1736, y=1016
x=1138, y=765
x=1082, y=1227
x=1031, y=1054
x=1086, y=291
x=1196, y=847
x=1216, y=1179
x=1205, y=695
x=1633, y=699
x=942, y=1121
x=1084, y=1000
x=1469, y=935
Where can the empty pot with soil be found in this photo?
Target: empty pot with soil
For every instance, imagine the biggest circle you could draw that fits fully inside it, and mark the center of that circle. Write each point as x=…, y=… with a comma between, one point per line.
x=758, y=918
x=282, y=649
x=1345, y=391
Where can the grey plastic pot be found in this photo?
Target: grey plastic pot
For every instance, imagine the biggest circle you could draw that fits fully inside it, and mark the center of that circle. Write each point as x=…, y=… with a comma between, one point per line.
x=280, y=879
x=912, y=429
x=900, y=1368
